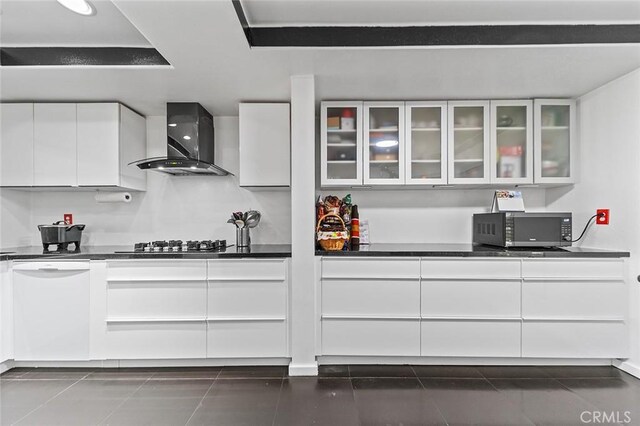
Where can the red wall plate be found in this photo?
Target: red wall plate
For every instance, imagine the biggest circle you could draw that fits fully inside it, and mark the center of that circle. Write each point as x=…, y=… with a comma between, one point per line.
x=602, y=217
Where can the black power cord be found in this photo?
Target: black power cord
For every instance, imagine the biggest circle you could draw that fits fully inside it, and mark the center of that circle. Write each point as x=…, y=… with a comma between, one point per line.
x=589, y=222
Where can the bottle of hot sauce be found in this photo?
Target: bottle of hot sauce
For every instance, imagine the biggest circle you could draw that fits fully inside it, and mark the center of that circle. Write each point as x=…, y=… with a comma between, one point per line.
x=355, y=227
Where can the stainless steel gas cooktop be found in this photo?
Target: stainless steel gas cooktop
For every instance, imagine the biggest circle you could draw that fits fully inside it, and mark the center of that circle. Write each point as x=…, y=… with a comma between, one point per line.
x=179, y=246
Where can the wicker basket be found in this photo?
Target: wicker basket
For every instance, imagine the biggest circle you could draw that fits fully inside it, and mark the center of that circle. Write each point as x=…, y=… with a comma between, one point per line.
x=334, y=240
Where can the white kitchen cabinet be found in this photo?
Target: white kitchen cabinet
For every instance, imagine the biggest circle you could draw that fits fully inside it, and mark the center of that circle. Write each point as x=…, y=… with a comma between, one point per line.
x=574, y=308
x=555, y=141
x=110, y=136
x=55, y=144
x=370, y=306
x=469, y=142
x=511, y=142
x=16, y=144
x=341, y=143
x=384, y=146
x=156, y=309
x=265, y=145
x=425, y=143
x=247, y=308
x=51, y=311
x=6, y=313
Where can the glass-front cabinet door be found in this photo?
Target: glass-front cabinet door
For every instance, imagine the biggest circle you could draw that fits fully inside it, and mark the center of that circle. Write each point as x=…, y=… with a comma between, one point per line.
x=554, y=140
x=384, y=143
x=468, y=144
x=341, y=143
x=426, y=142
x=512, y=142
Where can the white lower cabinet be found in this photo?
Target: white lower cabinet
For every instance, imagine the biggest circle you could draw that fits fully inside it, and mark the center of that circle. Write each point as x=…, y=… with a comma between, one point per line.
x=6, y=313
x=370, y=307
x=471, y=337
x=156, y=309
x=574, y=308
x=51, y=311
x=247, y=308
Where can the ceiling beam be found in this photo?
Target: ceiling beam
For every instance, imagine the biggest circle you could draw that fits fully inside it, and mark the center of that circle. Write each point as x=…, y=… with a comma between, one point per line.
x=84, y=56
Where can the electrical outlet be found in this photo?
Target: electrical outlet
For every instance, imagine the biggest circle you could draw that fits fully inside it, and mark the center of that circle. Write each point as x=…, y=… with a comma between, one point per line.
x=68, y=219
x=602, y=217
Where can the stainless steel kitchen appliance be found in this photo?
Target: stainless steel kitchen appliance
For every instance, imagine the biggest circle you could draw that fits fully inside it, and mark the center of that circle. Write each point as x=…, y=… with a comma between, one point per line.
x=61, y=235
x=521, y=229
x=179, y=246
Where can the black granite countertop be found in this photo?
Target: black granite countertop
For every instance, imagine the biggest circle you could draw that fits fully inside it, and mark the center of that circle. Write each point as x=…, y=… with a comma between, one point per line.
x=125, y=252
x=470, y=250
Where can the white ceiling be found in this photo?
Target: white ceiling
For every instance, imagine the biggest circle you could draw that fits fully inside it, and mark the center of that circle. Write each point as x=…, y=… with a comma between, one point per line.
x=437, y=12
x=213, y=65
x=47, y=23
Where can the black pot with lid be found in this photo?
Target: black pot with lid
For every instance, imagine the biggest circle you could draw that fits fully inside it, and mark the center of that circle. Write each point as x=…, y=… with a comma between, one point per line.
x=61, y=234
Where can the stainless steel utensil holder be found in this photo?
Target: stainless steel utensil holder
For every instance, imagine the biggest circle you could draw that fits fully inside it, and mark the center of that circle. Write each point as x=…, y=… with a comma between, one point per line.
x=243, y=237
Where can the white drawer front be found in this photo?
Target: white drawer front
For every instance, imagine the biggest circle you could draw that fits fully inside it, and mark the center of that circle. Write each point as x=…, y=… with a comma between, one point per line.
x=247, y=269
x=156, y=270
x=575, y=268
x=471, y=338
x=363, y=297
x=573, y=339
x=574, y=299
x=471, y=298
x=158, y=340
x=370, y=337
x=375, y=268
x=156, y=300
x=250, y=339
x=252, y=299
x=470, y=268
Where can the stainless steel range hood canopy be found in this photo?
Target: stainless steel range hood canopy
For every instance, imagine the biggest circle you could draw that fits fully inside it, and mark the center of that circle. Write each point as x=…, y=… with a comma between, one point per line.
x=190, y=143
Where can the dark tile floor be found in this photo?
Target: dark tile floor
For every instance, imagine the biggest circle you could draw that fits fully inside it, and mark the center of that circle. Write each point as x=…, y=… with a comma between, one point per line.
x=340, y=396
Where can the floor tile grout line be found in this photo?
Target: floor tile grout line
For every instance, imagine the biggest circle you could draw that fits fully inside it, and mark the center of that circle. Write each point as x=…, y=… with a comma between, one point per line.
x=580, y=397
x=49, y=400
x=202, y=399
x=124, y=401
x=434, y=402
x=275, y=412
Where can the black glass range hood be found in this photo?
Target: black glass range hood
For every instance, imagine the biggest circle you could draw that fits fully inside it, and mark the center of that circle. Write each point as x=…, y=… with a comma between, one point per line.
x=190, y=143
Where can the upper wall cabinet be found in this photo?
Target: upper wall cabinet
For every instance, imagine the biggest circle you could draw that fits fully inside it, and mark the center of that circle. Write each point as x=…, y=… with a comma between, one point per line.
x=265, y=145
x=426, y=142
x=384, y=143
x=54, y=145
x=16, y=144
x=72, y=145
x=469, y=144
x=555, y=141
x=512, y=142
x=341, y=143
x=110, y=136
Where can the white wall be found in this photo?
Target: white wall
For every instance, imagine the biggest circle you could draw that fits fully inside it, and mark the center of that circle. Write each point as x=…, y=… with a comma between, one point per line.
x=15, y=218
x=609, y=124
x=428, y=215
x=193, y=207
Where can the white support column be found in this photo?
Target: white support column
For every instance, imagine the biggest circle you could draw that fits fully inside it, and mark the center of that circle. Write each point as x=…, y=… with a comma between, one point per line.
x=303, y=351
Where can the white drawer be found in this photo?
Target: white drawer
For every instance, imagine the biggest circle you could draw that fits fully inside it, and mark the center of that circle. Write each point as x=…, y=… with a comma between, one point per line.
x=156, y=299
x=573, y=268
x=371, y=337
x=156, y=270
x=574, y=299
x=252, y=299
x=247, y=339
x=471, y=298
x=247, y=269
x=374, y=268
x=470, y=268
x=461, y=338
x=574, y=339
x=364, y=297
x=156, y=340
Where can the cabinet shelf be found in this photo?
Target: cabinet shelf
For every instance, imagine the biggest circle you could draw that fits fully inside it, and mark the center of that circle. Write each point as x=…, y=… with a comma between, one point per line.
x=469, y=160
x=341, y=130
x=425, y=129
x=555, y=127
x=384, y=129
x=426, y=161
x=383, y=161
x=349, y=144
x=341, y=161
x=511, y=128
x=468, y=129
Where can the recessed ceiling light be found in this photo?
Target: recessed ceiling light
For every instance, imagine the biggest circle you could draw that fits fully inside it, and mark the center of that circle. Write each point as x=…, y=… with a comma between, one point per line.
x=172, y=124
x=81, y=7
x=186, y=137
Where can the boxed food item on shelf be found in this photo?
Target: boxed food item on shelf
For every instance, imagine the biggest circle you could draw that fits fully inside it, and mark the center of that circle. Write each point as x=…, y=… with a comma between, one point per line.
x=333, y=123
